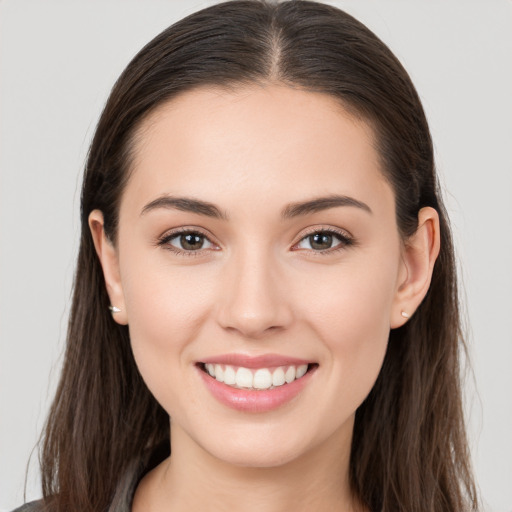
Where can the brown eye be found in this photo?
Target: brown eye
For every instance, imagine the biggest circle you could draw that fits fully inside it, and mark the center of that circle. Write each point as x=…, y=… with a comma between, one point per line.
x=323, y=241
x=189, y=241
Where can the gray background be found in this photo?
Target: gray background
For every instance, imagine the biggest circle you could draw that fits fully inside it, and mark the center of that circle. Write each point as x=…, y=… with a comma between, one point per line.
x=58, y=60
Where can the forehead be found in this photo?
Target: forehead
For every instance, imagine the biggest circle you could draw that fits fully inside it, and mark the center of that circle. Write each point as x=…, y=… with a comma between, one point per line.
x=210, y=140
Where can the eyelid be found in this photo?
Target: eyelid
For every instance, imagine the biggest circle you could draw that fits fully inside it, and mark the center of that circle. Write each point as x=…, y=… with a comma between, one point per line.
x=163, y=240
x=323, y=229
x=344, y=236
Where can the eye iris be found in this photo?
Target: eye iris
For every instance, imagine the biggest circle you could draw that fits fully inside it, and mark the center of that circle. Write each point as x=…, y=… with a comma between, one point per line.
x=321, y=241
x=191, y=241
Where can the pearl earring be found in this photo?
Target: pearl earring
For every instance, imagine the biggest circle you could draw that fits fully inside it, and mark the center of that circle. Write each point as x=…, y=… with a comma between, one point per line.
x=405, y=315
x=114, y=310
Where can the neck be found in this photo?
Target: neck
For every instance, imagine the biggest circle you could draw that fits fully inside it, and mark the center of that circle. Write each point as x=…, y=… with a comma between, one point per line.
x=193, y=479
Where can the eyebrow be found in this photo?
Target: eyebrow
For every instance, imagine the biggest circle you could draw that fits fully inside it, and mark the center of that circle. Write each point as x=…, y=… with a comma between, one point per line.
x=185, y=204
x=322, y=203
x=188, y=204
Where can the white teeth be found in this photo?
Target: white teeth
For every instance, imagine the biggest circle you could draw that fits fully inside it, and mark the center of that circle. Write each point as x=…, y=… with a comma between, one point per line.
x=289, y=376
x=244, y=378
x=219, y=373
x=301, y=371
x=262, y=378
x=278, y=377
x=229, y=376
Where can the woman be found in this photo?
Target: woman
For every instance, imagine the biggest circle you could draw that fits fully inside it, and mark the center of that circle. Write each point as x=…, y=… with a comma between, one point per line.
x=265, y=260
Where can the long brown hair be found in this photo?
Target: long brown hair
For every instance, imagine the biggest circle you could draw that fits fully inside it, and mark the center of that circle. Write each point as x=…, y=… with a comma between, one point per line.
x=409, y=449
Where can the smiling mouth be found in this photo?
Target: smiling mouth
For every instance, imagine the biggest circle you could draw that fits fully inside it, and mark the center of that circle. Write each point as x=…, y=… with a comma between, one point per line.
x=257, y=379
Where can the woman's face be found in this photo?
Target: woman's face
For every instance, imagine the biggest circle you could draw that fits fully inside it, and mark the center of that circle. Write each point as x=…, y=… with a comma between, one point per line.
x=258, y=234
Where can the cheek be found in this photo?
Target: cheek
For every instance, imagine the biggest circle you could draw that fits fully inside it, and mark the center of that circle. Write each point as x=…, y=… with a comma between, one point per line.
x=350, y=312
x=164, y=302
x=166, y=309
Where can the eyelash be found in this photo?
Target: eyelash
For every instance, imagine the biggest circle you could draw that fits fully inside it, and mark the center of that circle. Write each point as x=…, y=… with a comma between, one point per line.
x=166, y=239
x=345, y=241
x=344, y=238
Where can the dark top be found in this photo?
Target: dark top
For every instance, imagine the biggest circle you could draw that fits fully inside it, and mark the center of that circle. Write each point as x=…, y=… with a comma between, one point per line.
x=123, y=497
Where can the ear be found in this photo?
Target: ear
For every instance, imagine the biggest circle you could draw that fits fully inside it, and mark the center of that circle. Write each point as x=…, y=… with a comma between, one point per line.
x=419, y=254
x=108, y=257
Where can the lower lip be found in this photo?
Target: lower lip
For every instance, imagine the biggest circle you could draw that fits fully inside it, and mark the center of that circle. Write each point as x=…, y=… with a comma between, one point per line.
x=255, y=401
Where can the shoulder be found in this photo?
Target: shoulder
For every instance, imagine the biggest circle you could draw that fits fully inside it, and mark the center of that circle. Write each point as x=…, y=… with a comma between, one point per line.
x=33, y=506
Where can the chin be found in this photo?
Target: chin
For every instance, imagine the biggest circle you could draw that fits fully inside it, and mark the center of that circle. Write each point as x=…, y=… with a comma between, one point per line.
x=266, y=445
x=256, y=456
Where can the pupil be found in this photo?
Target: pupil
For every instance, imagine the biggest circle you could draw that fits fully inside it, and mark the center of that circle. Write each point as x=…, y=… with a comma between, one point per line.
x=191, y=241
x=320, y=241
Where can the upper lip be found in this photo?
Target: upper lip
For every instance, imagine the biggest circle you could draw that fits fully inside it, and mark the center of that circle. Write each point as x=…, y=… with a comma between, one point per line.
x=262, y=361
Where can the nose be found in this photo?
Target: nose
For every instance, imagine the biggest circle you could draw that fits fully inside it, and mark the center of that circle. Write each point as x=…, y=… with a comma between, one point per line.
x=254, y=297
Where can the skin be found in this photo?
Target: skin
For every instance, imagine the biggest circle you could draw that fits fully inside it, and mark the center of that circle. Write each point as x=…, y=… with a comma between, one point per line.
x=258, y=286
